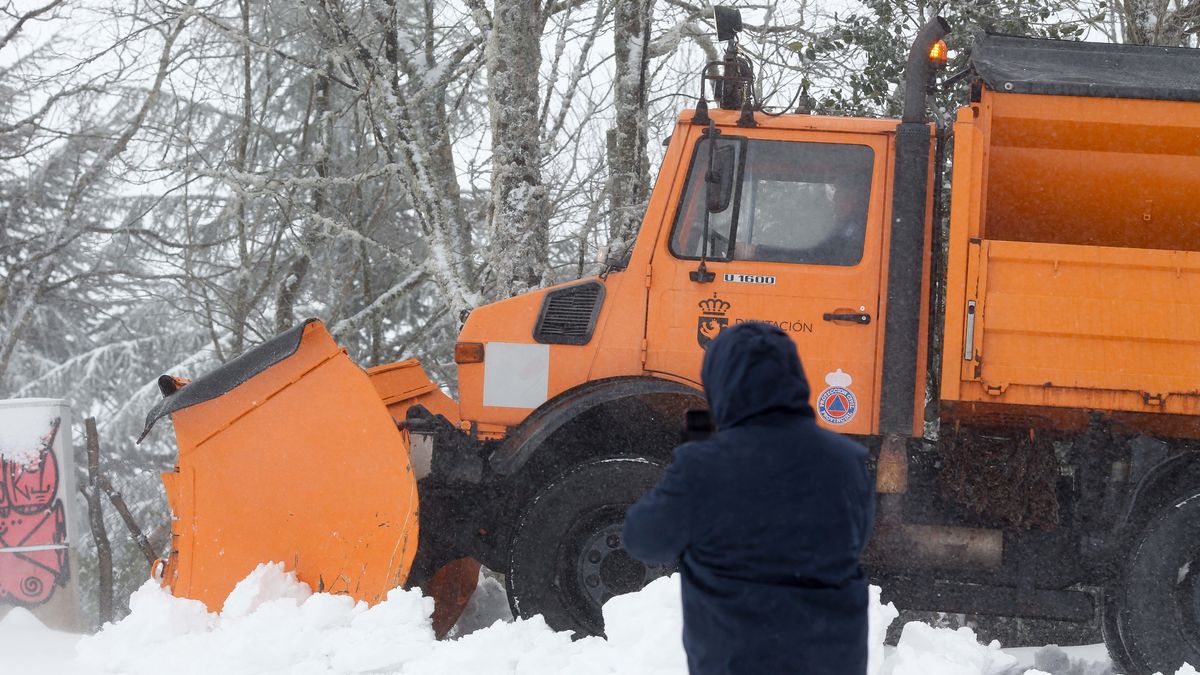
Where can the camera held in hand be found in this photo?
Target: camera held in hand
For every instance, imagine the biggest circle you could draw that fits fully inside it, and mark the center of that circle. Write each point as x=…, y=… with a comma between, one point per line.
x=697, y=426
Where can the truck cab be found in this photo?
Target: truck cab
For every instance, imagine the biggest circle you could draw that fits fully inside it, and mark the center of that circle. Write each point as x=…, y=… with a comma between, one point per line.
x=801, y=243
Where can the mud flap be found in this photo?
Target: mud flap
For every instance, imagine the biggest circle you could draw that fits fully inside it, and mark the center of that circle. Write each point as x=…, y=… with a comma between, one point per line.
x=451, y=589
x=290, y=457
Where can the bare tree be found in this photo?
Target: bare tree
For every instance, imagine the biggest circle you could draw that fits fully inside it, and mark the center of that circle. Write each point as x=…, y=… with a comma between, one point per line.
x=628, y=165
x=519, y=229
x=43, y=265
x=1159, y=22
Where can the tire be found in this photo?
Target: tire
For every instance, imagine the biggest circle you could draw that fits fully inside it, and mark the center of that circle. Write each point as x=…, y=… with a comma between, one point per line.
x=567, y=555
x=1157, y=617
x=1110, y=630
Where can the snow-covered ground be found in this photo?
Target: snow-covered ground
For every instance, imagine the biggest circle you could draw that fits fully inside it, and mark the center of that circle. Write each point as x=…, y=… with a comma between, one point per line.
x=271, y=623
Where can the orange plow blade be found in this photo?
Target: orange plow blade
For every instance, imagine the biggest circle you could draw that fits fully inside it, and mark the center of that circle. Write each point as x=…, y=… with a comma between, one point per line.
x=287, y=454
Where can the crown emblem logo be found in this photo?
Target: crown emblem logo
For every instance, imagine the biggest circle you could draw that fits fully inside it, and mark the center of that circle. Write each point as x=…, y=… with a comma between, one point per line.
x=714, y=306
x=712, y=320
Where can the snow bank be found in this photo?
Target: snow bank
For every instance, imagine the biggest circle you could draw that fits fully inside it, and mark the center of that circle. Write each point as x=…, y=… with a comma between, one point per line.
x=27, y=646
x=925, y=650
x=880, y=618
x=273, y=623
x=1052, y=659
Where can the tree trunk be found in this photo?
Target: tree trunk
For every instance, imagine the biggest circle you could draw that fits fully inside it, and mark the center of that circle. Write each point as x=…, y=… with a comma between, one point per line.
x=104, y=561
x=628, y=166
x=519, y=230
x=239, y=306
x=289, y=287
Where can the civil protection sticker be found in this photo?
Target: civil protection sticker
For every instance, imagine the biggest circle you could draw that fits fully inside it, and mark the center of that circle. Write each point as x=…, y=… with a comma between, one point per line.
x=837, y=405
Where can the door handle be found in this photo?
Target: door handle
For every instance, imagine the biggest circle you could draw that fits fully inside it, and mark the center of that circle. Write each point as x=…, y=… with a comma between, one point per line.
x=858, y=318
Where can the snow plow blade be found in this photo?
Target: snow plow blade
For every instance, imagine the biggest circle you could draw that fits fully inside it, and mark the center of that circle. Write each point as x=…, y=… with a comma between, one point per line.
x=287, y=454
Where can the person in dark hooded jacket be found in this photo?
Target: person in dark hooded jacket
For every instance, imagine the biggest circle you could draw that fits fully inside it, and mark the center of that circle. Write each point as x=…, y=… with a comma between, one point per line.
x=766, y=518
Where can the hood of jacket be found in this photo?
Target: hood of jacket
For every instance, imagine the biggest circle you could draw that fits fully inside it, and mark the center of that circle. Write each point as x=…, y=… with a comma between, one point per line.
x=753, y=369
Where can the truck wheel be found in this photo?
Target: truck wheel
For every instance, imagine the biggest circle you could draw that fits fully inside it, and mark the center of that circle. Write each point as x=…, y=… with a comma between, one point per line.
x=567, y=556
x=1110, y=629
x=1158, y=605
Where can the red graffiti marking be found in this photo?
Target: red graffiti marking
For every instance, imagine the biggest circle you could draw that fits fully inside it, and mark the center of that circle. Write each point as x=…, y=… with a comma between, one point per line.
x=32, y=527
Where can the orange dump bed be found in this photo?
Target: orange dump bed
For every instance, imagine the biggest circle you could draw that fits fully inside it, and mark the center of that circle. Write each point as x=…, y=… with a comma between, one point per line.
x=1074, y=264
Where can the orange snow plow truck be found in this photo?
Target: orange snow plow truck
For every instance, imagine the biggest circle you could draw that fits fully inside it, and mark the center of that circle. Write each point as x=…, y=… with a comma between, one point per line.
x=1027, y=375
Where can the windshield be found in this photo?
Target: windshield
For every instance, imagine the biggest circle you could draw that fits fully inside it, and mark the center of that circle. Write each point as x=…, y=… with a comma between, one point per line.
x=796, y=202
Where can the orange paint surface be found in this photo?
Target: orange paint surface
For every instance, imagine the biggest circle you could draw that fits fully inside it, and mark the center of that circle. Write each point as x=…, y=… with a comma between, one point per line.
x=404, y=384
x=1073, y=231
x=290, y=467
x=650, y=321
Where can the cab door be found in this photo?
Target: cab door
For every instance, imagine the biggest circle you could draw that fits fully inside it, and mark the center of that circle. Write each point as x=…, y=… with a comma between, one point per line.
x=800, y=247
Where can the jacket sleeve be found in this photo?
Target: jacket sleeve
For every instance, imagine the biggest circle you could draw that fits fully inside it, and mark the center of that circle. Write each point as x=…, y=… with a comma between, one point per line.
x=658, y=526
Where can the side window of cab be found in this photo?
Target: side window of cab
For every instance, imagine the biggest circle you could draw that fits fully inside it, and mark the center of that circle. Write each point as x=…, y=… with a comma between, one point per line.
x=795, y=202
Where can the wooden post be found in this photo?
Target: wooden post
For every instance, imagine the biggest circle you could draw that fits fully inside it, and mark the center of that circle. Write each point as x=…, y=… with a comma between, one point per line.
x=104, y=564
x=118, y=503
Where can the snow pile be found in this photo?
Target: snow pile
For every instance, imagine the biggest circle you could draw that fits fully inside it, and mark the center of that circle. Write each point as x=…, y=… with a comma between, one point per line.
x=273, y=623
x=881, y=616
x=645, y=630
x=925, y=650
x=1089, y=660
x=27, y=646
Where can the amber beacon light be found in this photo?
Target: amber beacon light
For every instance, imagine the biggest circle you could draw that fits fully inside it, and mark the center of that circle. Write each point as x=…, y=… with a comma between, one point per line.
x=937, y=54
x=468, y=352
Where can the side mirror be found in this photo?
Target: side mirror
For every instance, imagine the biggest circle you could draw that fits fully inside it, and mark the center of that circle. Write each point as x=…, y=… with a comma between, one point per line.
x=718, y=189
x=729, y=22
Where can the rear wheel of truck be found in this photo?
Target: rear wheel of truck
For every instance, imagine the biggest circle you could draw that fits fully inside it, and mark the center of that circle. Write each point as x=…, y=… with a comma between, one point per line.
x=568, y=555
x=1157, y=607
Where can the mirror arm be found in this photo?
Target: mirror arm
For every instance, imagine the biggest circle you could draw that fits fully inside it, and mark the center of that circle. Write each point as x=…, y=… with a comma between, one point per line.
x=701, y=116
x=701, y=273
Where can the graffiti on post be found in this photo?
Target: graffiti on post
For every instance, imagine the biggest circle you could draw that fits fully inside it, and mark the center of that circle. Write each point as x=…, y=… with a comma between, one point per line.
x=33, y=530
